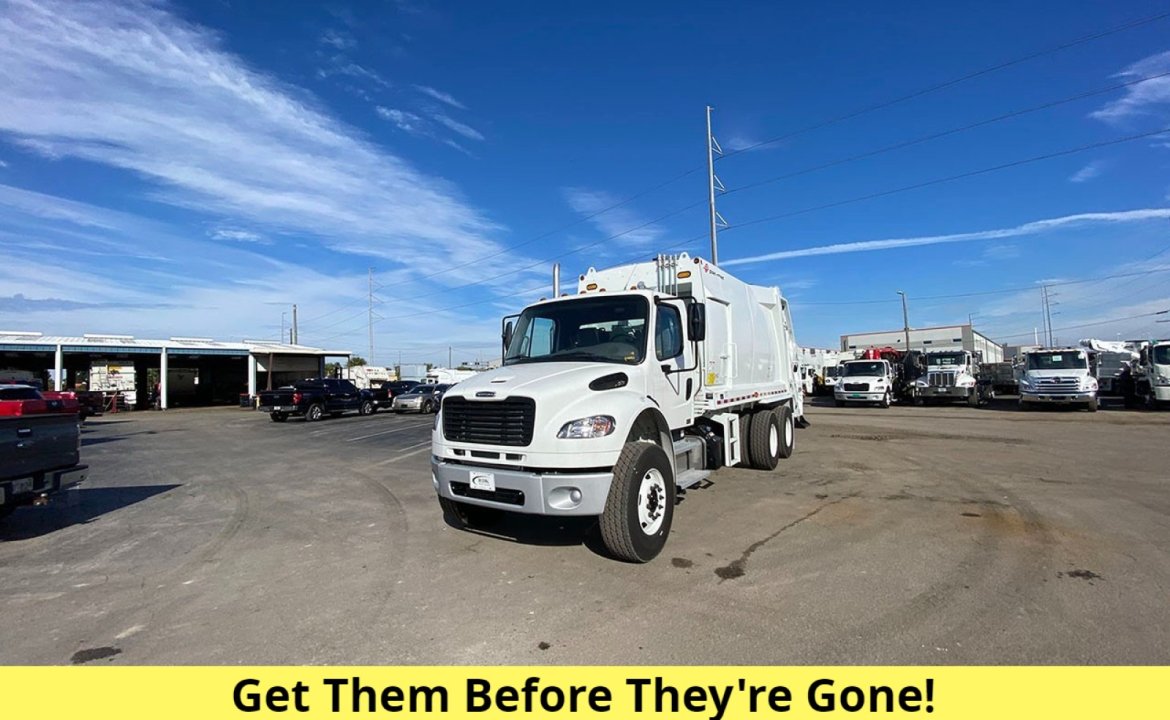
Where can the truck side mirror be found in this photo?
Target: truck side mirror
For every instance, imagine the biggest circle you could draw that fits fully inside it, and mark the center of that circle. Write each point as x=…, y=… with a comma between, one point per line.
x=507, y=335
x=697, y=321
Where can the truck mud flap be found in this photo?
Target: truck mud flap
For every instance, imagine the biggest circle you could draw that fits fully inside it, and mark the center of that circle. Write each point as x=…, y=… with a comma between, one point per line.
x=802, y=422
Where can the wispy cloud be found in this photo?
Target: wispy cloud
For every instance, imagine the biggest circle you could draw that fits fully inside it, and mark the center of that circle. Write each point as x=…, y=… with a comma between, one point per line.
x=1032, y=228
x=3, y=164
x=458, y=127
x=440, y=96
x=403, y=120
x=1088, y=172
x=618, y=221
x=245, y=236
x=1151, y=97
x=343, y=68
x=338, y=40
x=131, y=86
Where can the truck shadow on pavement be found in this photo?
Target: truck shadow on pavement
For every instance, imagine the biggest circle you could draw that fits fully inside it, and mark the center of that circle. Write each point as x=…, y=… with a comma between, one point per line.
x=74, y=507
x=539, y=530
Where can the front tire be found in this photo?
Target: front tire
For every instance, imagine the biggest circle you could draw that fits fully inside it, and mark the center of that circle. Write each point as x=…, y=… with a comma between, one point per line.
x=885, y=403
x=278, y=416
x=973, y=398
x=427, y=408
x=1092, y=405
x=314, y=413
x=640, y=507
x=367, y=408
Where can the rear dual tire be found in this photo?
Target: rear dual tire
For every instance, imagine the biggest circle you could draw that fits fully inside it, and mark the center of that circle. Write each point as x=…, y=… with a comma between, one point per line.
x=772, y=436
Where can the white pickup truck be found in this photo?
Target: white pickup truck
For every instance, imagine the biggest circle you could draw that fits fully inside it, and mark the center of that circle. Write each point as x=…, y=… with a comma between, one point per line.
x=612, y=400
x=865, y=381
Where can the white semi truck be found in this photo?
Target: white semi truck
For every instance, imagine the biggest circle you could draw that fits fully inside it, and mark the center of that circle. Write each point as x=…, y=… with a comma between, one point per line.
x=951, y=375
x=865, y=381
x=611, y=401
x=1153, y=373
x=1058, y=375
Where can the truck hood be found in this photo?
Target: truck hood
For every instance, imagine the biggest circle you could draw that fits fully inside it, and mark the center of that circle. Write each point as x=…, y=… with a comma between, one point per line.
x=862, y=378
x=531, y=379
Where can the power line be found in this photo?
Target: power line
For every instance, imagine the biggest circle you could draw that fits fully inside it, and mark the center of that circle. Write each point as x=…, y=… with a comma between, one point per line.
x=856, y=113
x=944, y=133
x=956, y=81
x=952, y=178
x=870, y=196
x=1022, y=288
x=1085, y=325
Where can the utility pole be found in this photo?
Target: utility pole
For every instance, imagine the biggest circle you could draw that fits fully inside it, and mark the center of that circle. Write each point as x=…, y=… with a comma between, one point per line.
x=371, y=320
x=1048, y=313
x=449, y=365
x=282, y=314
x=296, y=335
x=905, y=320
x=713, y=184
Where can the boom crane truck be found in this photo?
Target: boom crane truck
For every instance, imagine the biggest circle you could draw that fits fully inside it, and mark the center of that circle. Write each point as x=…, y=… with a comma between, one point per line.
x=612, y=401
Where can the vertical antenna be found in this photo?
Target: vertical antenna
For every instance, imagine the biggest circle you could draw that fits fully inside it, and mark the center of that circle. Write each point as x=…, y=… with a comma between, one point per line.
x=713, y=184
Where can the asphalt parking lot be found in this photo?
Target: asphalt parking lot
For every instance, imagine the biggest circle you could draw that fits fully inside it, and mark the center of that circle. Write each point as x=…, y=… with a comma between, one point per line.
x=909, y=535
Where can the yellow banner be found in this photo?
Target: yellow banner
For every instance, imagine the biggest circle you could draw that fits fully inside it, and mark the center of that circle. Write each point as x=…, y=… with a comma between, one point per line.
x=493, y=693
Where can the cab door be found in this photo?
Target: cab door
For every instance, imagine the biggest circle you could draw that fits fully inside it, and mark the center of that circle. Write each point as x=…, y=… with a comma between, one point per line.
x=673, y=379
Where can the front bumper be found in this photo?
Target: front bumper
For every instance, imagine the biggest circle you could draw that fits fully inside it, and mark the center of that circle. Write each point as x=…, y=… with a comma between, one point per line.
x=1162, y=393
x=852, y=396
x=525, y=492
x=23, y=491
x=954, y=392
x=406, y=407
x=1078, y=397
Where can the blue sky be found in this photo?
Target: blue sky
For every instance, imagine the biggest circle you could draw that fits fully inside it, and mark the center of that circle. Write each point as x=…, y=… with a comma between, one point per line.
x=195, y=168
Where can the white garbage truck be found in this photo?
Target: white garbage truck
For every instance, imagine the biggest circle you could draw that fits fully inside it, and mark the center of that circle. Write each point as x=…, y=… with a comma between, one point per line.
x=611, y=401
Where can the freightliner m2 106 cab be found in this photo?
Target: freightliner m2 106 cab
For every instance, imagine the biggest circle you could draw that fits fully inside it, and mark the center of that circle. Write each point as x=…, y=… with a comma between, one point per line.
x=612, y=400
x=865, y=381
x=1058, y=376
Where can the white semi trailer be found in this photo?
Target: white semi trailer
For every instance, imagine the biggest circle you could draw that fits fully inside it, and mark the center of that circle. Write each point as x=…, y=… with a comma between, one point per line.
x=612, y=400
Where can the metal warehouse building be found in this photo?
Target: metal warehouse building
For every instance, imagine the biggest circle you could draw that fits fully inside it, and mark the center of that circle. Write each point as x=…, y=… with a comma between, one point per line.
x=189, y=371
x=949, y=337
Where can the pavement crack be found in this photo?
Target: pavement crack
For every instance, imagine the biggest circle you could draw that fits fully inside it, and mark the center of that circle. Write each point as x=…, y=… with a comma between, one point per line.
x=738, y=568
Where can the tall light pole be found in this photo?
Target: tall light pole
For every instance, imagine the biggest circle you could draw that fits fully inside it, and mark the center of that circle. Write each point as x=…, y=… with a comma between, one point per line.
x=905, y=320
x=713, y=184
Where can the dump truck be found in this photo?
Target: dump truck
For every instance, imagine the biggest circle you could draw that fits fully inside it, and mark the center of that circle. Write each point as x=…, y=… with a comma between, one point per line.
x=612, y=401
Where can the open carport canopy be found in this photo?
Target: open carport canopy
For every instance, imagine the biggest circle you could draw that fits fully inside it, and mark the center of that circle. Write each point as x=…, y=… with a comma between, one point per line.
x=186, y=371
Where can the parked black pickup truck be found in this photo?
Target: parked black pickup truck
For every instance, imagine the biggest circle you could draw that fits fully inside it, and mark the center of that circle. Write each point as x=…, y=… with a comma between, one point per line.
x=384, y=396
x=315, y=398
x=39, y=448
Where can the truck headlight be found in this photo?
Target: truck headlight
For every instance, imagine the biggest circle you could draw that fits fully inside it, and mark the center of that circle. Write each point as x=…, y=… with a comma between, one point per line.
x=1088, y=384
x=1162, y=379
x=1024, y=384
x=587, y=427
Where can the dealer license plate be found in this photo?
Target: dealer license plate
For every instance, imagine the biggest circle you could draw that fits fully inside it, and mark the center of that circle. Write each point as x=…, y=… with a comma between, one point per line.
x=22, y=486
x=940, y=390
x=856, y=397
x=483, y=481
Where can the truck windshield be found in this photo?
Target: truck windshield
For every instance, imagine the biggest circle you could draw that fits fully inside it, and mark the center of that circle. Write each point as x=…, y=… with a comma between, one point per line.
x=1058, y=361
x=949, y=359
x=855, y=369
x=597, y=329
x=1162, y=354
x=833, y=371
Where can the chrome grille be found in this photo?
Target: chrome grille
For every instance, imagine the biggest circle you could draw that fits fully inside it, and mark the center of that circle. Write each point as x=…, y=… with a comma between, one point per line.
x=941, y=379
x=490, y=422
x=1057, y=386
x=856, y=387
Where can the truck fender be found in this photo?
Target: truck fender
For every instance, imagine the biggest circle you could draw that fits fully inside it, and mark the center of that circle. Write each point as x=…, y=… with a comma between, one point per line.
x=651, y=426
